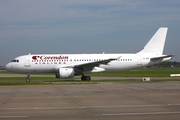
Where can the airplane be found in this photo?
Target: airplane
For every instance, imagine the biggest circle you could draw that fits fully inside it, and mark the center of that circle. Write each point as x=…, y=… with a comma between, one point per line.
x=69, y=65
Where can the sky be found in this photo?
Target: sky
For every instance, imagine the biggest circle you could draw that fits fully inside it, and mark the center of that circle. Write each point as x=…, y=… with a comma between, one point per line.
x=85, y=26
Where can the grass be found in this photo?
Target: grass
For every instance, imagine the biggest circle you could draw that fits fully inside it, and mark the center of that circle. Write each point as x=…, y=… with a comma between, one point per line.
x=144, y=72
x=150, y=72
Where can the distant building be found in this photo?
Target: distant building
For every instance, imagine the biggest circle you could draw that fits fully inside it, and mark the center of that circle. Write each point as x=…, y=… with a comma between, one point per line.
x=2, y=68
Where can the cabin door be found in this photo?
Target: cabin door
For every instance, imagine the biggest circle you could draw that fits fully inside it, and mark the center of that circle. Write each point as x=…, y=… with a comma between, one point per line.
x=27, y=61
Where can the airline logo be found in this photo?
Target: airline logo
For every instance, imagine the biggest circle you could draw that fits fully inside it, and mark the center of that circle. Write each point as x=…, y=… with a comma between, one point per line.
x=50, y=57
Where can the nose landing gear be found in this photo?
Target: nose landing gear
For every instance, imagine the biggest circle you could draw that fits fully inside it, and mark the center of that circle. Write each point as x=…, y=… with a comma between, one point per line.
x=28, y=78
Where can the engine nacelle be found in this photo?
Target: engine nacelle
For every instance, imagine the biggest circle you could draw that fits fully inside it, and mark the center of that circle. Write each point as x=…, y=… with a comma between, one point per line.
x=65, y=73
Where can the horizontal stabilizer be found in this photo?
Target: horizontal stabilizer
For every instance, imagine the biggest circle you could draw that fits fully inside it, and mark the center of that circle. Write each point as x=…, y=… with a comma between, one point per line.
x=161, y=57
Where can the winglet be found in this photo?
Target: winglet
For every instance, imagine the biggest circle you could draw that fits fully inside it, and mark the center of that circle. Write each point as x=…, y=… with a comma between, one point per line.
x=118, y=59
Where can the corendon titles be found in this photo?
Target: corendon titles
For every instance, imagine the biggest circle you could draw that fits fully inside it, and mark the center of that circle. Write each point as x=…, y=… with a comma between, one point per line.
x=50, y=57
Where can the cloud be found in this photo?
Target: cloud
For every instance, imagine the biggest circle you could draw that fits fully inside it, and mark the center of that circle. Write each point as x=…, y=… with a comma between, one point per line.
x=83, y=21
x=43, y=13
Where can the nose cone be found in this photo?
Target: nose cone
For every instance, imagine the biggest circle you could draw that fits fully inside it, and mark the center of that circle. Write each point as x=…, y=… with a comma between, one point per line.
x=8, y=67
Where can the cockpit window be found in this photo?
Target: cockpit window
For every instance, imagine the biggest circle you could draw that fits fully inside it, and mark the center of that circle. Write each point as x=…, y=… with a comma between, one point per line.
x=15, y=61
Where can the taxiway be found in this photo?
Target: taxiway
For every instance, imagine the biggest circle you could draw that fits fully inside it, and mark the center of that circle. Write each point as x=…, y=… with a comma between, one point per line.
x=103, y=101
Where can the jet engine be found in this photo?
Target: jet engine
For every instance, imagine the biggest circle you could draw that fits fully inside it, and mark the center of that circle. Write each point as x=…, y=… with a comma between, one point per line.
x=65, y=73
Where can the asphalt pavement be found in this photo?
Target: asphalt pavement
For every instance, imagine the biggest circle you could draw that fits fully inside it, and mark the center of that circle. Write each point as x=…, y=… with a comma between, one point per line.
x=102, y=101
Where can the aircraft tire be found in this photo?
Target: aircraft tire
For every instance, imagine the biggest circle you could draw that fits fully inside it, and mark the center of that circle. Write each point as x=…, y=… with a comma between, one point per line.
x=27, y=80
x=88, y=78
x=85, y=78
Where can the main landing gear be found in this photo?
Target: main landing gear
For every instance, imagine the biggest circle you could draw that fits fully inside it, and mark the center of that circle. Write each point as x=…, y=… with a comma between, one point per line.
x=87, y=78
x=83, y=78
x=28, y=78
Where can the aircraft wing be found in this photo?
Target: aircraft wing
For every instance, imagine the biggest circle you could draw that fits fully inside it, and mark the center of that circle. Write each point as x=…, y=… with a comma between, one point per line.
x=93, y=64
x=90, y=65
x=161, y=57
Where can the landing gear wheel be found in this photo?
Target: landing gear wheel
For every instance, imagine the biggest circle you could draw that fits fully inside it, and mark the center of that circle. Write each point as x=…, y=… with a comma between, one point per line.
x=83, y=78
x=87, y=78
x=27, y=79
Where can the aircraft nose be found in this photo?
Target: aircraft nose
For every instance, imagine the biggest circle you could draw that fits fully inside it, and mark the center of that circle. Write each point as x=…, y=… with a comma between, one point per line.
x=8, y=66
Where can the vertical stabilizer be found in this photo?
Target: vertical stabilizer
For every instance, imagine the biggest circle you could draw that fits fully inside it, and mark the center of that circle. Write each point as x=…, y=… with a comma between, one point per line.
x=156, y=43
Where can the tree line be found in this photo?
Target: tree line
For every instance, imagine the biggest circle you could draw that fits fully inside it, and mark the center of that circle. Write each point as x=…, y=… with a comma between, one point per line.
x=166, y=64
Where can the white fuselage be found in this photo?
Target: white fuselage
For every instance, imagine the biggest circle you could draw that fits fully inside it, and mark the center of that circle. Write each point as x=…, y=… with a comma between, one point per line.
x=51, y=62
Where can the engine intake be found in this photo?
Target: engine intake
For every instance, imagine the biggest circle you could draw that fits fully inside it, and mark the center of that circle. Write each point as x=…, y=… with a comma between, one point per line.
x=65, y=73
